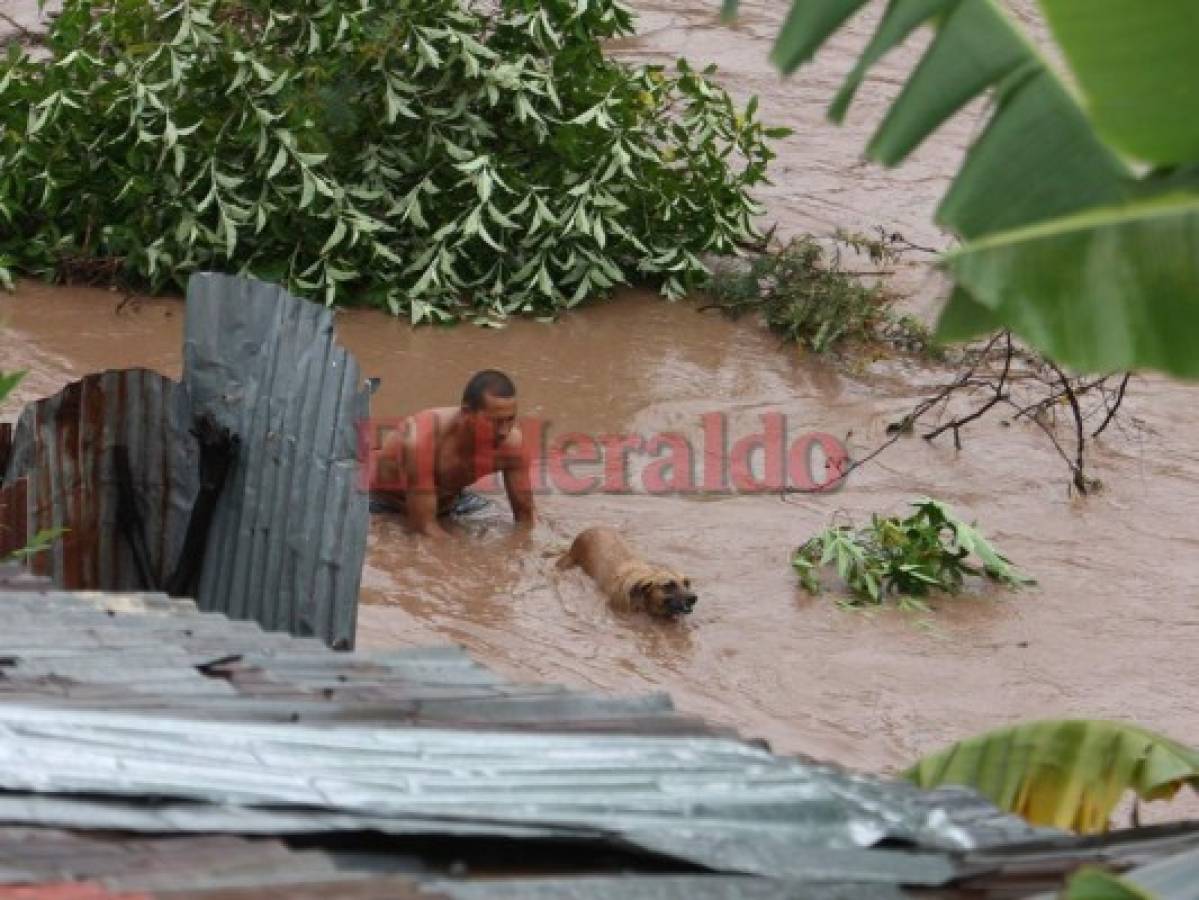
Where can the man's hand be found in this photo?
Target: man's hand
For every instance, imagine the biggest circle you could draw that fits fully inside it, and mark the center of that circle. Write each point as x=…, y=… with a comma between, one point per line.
x=434, y=530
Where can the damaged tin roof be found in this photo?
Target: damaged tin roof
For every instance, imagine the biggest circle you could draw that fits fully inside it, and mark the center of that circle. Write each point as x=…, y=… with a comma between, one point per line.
x=288, y=536
x=99, y=693
x=145, y=723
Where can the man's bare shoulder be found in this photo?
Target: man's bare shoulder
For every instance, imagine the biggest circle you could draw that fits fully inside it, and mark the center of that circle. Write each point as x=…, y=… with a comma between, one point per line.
x=420, y=426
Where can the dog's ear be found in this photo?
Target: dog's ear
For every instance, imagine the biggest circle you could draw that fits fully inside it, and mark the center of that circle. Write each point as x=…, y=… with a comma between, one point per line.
x=640, y=592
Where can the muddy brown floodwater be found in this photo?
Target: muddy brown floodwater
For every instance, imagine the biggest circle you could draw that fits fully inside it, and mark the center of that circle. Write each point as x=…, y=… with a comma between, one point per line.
x=1110, y=630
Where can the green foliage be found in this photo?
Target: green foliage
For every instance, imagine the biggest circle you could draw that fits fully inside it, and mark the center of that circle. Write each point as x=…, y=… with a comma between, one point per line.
x=435, y=159
x=1063, y=773
x=1135, y=80
x=39, y=543
x=1132, y=264
x=1084, y=257
x=1093, y=883
x=9, y=382
x=802, y=295
x=910, y=557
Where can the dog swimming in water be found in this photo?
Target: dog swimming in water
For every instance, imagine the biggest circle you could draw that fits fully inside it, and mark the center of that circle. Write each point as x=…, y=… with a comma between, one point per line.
x=629, y=582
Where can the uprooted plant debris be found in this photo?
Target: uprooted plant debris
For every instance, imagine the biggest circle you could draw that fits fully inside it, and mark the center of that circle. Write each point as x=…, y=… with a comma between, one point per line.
x=805, y=294
x=909, y=558
x=999, y=375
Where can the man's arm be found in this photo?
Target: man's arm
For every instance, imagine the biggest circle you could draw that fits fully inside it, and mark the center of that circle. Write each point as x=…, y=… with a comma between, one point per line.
x=420, y=495
x=517, y=481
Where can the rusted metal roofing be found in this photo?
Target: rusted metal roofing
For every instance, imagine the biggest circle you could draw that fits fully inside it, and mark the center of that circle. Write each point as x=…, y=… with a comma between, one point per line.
x=289, y=533
x=60, y=474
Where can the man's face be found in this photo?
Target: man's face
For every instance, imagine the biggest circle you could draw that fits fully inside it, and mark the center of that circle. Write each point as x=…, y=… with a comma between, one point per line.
x=496, y=418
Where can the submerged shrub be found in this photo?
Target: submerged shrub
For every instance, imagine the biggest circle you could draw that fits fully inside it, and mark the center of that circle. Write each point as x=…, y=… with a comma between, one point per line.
x=431, y=157
x=909, y=557
x=803, y=295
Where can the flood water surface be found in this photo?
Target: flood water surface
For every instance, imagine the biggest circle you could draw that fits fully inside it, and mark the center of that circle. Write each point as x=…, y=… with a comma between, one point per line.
x=1109, y=631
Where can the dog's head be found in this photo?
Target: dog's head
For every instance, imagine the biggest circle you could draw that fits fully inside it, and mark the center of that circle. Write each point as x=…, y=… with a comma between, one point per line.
x=665, y=594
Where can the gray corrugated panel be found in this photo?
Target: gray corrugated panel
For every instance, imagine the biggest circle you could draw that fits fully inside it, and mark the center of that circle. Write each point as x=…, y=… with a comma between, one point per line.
x=1173, y=878
x=35, y=856
x=663, y=887
x=63, y=449
x=58, y=638
x=713, y=802
x=291, y=527
x=163, y=818
x=388, y=888
x=1039, y=868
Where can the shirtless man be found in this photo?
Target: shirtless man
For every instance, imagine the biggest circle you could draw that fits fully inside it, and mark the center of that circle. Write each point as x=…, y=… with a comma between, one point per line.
x=437, y=453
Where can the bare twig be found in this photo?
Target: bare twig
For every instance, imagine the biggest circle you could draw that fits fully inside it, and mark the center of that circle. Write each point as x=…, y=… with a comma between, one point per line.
x=1080, y=481
x=1020, y=372
x=1115, y=407
x=25, y=32
x=958, y=424
x=1040, y=423
x=898, y=239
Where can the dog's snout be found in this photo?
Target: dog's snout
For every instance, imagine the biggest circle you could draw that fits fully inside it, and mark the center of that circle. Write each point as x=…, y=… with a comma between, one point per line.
x=685, y=603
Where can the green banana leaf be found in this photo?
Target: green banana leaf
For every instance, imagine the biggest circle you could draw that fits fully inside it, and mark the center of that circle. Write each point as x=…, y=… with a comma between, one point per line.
x=1091, y=883
x=1107, y=289
x=1137, y=64
x=1007, y=179
x=1063, y=773
x=1041, y=159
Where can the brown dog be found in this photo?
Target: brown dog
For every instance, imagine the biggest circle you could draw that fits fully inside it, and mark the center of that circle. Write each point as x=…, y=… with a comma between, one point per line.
x=630, y=583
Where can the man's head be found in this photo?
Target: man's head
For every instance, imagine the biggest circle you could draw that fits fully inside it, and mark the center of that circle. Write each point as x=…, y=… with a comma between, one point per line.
x=489, y=400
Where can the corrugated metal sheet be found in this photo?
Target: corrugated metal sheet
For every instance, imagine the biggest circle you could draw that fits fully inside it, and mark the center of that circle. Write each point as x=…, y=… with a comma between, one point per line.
x=291, y=528
x=63, y=452
x=230, y=754
x=713, y=802
x=289, y=534
x=14, y=516
x=1162, y=860
x=1174, y=878
x=208, y=866
x=377, y=769
x=669, y=887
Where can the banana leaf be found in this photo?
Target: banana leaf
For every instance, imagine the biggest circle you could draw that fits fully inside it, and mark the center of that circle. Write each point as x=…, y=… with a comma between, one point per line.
x=1091, y=883
x=1107, y=289
x=1042, y=160
x=1138, y=69
x=1066, y=774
